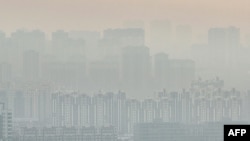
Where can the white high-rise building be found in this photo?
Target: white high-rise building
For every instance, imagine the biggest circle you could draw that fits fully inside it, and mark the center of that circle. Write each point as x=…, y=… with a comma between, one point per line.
x=133, y=110
x=149, y=110
x=37, y=104
x=5, y=123
x=71, y=109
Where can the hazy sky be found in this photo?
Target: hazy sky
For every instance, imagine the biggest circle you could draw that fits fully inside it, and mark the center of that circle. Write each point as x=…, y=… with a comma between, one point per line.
x=50, y=15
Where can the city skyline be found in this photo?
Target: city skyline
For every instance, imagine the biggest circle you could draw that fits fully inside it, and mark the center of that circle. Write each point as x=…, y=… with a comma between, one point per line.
x=123, y=70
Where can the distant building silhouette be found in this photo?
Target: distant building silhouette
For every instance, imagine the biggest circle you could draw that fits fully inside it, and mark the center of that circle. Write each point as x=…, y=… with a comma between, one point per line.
x=5, y=72
x=136, y=66
x=31, y=65
x=173, y=74
x=115, y=39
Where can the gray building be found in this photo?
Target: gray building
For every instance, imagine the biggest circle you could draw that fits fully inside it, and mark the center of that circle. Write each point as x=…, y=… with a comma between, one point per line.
x=136, y=67
x=31, y=65
x=173, y=74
